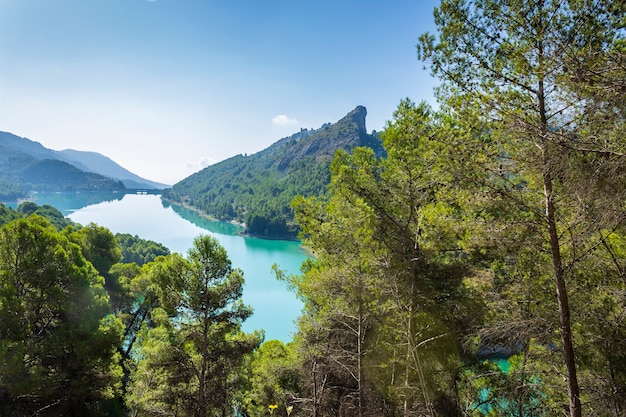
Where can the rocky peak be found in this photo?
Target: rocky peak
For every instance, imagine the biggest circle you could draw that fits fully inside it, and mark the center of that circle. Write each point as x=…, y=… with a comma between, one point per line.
x=356, y=116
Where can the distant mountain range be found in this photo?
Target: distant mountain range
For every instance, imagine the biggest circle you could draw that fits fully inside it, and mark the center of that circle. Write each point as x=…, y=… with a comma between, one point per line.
x=27, y=166
x=257, y=189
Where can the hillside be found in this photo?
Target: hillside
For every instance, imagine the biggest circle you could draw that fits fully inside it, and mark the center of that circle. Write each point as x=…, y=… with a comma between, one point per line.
x=257, y=189
x=55, y=175
x=26, y=166
x=100, y=164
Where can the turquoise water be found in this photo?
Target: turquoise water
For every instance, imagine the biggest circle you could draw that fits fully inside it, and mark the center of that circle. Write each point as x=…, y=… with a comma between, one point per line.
x=275, y=308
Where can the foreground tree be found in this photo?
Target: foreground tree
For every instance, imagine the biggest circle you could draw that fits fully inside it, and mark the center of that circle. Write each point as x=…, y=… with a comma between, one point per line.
x=57, y=339
x=539, y=86
x=388, y=278
x=99, y=245
x=340, y=305
x=188, y=362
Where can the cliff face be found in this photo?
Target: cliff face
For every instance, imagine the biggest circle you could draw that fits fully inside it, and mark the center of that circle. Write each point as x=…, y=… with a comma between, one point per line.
x=258, y=189
x=347, y=133
x=357, y=116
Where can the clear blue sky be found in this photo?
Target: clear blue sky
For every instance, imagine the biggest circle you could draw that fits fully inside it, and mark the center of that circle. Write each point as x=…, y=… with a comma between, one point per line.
x=165, y=87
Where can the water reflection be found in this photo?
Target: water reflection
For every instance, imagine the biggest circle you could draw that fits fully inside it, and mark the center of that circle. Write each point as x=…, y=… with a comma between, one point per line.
x=203, y=222
x=68, y=202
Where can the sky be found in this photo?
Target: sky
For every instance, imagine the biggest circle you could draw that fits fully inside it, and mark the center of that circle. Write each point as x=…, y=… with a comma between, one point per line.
x=167, y=87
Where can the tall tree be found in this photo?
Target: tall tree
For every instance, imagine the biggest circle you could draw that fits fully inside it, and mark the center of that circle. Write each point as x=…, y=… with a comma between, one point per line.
x=214, y=313
x=385, y=241
x=197, y=351
x=340, y=293
x=57, y=338
x=543, y=83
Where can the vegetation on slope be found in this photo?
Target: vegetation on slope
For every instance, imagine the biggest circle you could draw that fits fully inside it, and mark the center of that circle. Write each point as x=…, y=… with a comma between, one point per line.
x=75, y=323
x=21, y=174
x=139, y=251
x=257, y=189
x=27, y=166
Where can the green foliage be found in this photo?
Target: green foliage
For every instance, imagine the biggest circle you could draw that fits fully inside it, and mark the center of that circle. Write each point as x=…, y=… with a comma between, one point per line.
x=7, y=214
x=138, y=250
x=536, y=136
x=57, y=339
x=155, y=389
x=9, y=191
x=133, y=292
x=273, y=379
x=52, y=214
x=387, y=272
x=99, y=245
x=464, y=222
x=56, y=175
x=25, y=209
x=188, y=361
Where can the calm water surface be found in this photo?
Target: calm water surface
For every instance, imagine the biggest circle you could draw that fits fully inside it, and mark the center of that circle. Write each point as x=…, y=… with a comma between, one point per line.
x=275, y=308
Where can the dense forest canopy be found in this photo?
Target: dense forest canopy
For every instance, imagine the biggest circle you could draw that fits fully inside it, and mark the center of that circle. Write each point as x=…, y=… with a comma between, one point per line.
x=476, y=267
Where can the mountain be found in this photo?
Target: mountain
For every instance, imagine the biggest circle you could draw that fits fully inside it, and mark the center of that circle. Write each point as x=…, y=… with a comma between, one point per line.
x=26, y=165
x=56, y=175
x=257, y=189
x=12, y=143
x=100, y=164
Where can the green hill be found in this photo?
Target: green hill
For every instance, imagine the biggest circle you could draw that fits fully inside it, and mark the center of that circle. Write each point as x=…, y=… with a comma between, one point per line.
x=55, y=175
x=21, y=173
x=257, y=189
x=26, y=166
x=100, y=164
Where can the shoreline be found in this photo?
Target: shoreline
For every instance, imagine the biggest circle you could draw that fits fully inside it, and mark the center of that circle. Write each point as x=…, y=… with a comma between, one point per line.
x=233, y=222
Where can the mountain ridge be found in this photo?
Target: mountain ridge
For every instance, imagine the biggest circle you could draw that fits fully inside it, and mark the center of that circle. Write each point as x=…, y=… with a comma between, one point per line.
x=257, y=189
x=25, y=167
x=101, y=164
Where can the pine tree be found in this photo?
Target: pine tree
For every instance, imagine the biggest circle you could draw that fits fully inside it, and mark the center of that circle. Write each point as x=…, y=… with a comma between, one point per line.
x=540, y=87
x=57, y=338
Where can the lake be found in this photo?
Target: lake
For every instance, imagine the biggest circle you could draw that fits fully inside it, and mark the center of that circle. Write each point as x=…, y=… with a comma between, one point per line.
x=147, y=216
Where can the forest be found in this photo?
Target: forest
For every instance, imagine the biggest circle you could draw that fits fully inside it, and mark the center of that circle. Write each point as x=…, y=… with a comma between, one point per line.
x=478, y=269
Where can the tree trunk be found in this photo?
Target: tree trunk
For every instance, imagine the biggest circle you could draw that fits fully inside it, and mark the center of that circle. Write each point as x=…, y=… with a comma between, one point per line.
x=573, y=391
x=202, y=406
x=410, y=340
x=360, y=344
x=315, y=400
x=413, y=358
